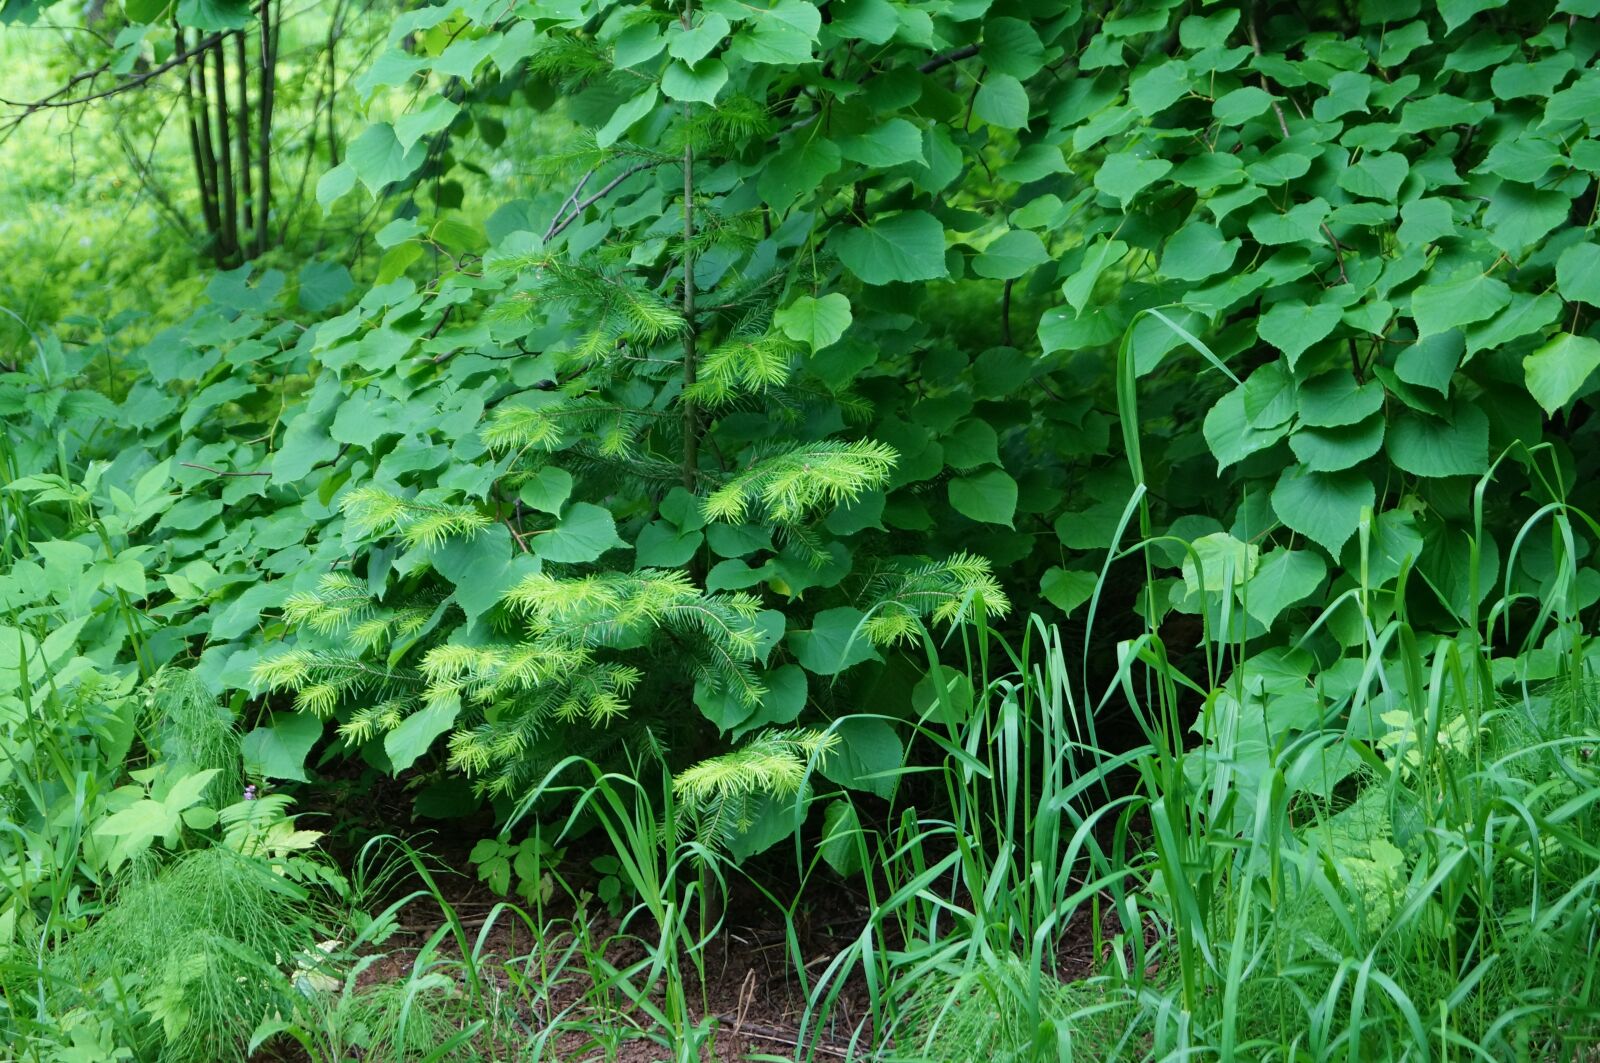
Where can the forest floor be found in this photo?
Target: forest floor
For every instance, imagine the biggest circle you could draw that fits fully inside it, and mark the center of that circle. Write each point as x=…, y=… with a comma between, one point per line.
x=750, y=990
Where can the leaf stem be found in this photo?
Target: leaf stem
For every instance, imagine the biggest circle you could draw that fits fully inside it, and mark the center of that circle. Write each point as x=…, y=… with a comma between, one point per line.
x=1283, y=126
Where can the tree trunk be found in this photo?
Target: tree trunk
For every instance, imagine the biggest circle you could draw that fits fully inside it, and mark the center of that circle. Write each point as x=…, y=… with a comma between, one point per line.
x=227, y=183
x=242, y=61
x=270, y=28
x=204, y=148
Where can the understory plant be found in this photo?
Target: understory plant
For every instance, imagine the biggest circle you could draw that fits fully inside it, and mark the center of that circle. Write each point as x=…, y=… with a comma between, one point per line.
x=1389, y=859
x=682, y=489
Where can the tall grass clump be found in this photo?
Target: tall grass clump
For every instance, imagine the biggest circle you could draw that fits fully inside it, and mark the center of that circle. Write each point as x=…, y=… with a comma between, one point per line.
x=973, y=906
x=586, y=986
x=1380, y=847
x=645, y=979
x=1390, y=856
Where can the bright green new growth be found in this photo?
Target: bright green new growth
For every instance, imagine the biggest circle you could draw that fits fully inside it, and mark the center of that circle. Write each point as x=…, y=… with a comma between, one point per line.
x=790, y=487
x=753, y=363
x=612, y=310
x=718, y=795
x=373, y=510
x=545, y=427
x=515, y=690
x=321, y=679
x=950, y=592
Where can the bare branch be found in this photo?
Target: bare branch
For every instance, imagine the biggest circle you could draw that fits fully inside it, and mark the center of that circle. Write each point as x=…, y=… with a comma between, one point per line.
x=220, y=472
x=556, y=230
x=54, y=99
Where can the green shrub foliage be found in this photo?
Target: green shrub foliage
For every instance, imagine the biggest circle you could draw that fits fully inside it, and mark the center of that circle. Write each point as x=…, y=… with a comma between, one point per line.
x=819, y=330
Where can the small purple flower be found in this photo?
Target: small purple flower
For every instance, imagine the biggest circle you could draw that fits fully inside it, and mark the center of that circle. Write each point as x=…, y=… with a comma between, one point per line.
x=250, y=792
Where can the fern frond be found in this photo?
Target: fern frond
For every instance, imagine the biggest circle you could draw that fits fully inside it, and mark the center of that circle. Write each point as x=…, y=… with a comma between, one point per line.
x=793, y=485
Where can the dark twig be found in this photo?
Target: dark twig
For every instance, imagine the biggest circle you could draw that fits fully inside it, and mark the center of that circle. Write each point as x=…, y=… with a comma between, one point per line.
x=1283, y=126
x=52, y=100
x=577, y=190
x=577, y=211
x=220, y=472
x=515, y=534
x=271, y=27
x=947, y=58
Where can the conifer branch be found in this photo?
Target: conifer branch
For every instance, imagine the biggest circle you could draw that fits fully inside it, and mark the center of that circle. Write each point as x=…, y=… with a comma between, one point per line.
x=753, y=363
x=793, y=484
x=374, y=510
x=718, y=794
x=949, y=592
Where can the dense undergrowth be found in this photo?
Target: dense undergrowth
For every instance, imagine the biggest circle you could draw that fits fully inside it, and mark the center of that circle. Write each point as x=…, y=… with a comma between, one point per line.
x=1102, y=492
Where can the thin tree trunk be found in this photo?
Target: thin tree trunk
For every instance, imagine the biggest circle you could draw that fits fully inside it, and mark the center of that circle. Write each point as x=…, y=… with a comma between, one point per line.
x=245, y=176
x=335, y=31
x=691, y=415
x=264, y=99
x=226, y=180
x=200, y=179
x=206, y=156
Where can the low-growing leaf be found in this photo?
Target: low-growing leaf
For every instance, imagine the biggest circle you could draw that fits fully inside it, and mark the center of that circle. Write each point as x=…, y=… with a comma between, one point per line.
x=908, y=246
x=989, y=496
x=817, y=323
x=1283, y=578
x=1559, y=369
x=278, y=749
x=1325, y=507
